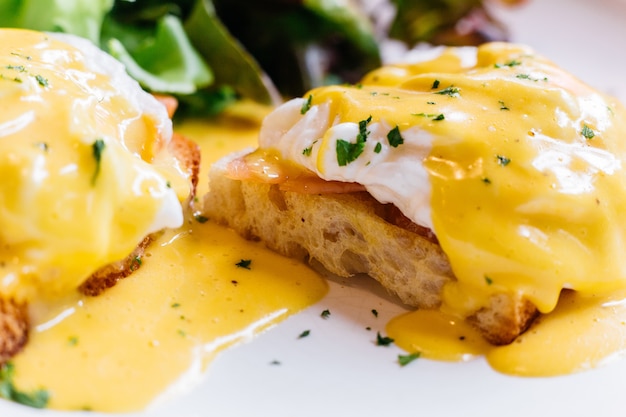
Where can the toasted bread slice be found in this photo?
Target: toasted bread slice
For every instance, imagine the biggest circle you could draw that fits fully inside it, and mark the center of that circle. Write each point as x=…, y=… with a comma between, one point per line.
x=14, y=316
x=350, y=234
x=13, y=328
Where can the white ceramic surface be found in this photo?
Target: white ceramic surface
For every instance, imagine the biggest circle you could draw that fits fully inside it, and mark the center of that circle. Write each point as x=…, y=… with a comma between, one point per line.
x=338, y=370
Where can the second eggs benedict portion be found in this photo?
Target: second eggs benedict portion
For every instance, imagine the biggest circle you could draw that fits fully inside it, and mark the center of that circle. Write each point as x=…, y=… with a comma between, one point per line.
x=481, y=181
x=89, y=168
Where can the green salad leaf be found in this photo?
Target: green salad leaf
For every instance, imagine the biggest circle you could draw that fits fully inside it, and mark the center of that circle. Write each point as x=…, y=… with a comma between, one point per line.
x=181, y=71
x=210, y=53
x=80, y=17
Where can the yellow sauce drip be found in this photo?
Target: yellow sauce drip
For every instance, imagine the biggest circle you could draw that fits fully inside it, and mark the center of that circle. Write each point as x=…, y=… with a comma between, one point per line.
x=582, y=333
x=154, y=333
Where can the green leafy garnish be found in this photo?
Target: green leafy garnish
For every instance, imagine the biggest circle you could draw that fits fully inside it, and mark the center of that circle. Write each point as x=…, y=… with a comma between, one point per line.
x=304, y=334
x=503, y=106
x=363, y=132
x=325, y=314
x=36, y=399
x=136, y=263
x=488, y=280
x=378, y=147
x=375, y=312
x=383, y=340
x=587, y=132
x=404, y=360
x=435, y=85
x=528, y=77
x=394, y=137
x=306, y=106
x=200, y=218
x=97, y=149
x=434, y=116
x=511, y=63
x=503, y=160
x=350, y=151
x=449, y=91
x=347, y=151
x=244, y=263
x=41, y=80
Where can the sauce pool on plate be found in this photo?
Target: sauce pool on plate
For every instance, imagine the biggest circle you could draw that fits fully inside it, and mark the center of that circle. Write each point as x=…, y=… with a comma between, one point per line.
x=200, y=289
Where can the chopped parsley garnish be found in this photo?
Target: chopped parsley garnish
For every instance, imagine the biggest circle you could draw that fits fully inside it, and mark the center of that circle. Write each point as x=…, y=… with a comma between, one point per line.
x=378, y=147
x=503, y=106
x=363, y=132
x=36, y=399
x=433, y=116
x=449, y=91
x=304, y=334
x=528, y=77
x=394, y=137
x=348, y=152
x=275, y=362
x=325, y=314
x=383, y=340
x=511, y=63
x=72, y=341
x=375, y=312
x=200, y=218
x=26, y=57
x=486, y=180
x=488, y=280
x=503, y=160
x=41, y=80
x=97, y=149
x=14, y=79
x=307, y=151
x=136, y=263
x=431, y=103
x=306, y=106
x=587, y=132
x=19, y=68
x=244, y=263
x=404, y=360
x=175, y=305
x=435, y=85
x=182, y=333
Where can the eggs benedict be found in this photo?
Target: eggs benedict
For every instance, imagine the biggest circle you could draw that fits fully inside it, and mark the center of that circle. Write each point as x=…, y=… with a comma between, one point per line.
x=479, y=181
x=91, y=170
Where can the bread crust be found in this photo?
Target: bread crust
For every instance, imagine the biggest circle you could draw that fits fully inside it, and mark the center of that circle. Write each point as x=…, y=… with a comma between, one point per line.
x=350, y=234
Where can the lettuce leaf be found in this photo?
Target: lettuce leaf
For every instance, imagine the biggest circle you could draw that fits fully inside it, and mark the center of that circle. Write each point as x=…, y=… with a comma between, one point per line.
x=80, y=17
x=179, y=71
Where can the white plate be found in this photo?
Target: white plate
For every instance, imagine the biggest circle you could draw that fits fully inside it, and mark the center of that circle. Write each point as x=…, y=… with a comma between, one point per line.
x=338, y=370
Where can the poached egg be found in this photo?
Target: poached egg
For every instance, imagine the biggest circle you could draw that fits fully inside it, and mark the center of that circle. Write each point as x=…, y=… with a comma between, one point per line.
x=85, y=164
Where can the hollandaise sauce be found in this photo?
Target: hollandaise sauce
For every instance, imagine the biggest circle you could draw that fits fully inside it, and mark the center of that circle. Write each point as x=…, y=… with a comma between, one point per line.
x=200, y=289
x=517, y=167
x=84, y=160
